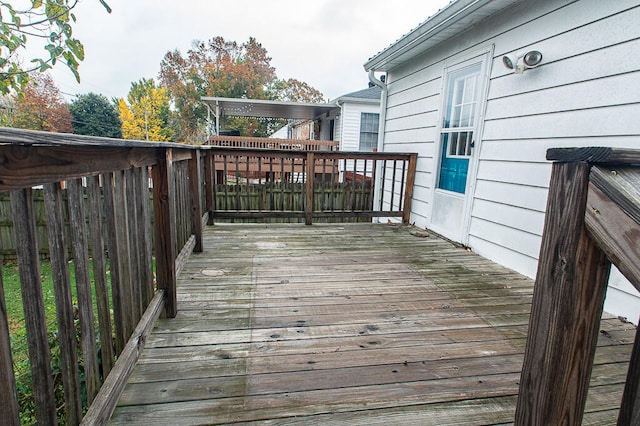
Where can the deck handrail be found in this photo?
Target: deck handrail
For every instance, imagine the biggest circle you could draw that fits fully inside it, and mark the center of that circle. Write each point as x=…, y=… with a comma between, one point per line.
x=97, y=195
x=273, y=143
x=115, y=176
x=317, y=184
x=592, y=221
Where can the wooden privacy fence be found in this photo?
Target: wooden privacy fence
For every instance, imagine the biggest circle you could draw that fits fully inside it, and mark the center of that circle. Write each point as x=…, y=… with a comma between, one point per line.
x=117, y=175
x=592, y=221
x=261, y=184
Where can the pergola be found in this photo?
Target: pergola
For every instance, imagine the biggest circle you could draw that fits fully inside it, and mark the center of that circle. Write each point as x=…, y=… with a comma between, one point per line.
x=266, y=109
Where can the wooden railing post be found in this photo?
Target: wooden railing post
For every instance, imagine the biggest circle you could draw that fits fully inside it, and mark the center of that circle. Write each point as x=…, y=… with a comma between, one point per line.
x=165, y=220
x=408, y=192
x=209, y=170
x=310, y=172
x=195, y=177
x=566, y=309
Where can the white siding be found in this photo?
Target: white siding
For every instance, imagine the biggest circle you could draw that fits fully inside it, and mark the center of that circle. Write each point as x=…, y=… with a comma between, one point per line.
x=350, y=124
x=585, y=93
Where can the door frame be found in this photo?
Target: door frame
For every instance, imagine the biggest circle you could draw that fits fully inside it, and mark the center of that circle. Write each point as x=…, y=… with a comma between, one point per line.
x=485, y=58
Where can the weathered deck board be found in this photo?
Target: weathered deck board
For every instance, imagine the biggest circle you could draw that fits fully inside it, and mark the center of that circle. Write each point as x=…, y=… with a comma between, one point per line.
x=352, y=324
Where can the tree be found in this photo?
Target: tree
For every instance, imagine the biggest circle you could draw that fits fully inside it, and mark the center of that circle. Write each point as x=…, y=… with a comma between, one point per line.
x=94, y=115
x=225, y=69
x=293, y=90
x=48, y=20
x=42, y=107
x=146, y=115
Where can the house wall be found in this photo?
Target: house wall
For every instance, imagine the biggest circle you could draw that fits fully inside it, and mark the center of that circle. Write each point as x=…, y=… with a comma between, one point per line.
x=350, y=124
x=585, y=93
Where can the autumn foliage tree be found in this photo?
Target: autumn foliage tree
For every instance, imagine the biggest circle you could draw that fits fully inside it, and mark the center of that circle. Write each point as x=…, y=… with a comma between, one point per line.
x=41, y=107
x=145, y=114
x=224, y=69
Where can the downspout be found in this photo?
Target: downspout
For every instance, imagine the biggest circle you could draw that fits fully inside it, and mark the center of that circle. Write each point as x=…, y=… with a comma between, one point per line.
x=383, y=108
x=381, y=128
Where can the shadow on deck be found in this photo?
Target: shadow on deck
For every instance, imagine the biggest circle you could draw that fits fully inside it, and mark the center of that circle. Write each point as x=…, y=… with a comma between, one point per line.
x=347, y=324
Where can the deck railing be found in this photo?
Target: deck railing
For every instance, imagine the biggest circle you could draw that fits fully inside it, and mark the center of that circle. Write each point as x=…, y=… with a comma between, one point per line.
x=261, y=184
x=98, y=204
x=128, y=211
x=273, y=143
x=592, y=222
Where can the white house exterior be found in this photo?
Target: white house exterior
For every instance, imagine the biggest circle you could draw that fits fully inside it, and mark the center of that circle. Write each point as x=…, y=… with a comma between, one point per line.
x=482, y=130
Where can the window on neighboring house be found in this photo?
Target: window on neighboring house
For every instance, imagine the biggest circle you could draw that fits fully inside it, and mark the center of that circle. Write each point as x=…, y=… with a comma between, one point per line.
x=369, y=131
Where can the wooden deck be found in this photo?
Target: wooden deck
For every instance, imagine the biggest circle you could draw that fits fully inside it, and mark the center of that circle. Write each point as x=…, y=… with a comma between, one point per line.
x=346, y=324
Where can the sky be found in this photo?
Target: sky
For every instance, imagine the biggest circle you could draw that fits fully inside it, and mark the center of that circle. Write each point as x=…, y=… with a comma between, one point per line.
x=323, y=42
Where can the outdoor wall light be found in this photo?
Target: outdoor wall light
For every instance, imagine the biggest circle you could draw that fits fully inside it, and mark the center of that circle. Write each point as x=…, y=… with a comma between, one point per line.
x=521, y=61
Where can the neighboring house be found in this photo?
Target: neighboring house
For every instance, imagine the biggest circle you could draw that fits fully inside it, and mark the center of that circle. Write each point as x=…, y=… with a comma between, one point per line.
x=482, y=130
x=357, y=126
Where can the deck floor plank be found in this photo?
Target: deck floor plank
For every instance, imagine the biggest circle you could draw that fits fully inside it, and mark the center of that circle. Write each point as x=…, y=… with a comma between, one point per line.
x=346, y=324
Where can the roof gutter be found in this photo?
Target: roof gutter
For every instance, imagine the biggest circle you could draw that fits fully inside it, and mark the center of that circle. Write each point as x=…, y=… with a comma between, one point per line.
x=436, y=24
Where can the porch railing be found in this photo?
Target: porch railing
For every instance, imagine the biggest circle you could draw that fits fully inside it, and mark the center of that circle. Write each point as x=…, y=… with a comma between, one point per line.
x=262, y=184
x=592, y=221
x=273, y=143
x=130, y=213
x=98, y=204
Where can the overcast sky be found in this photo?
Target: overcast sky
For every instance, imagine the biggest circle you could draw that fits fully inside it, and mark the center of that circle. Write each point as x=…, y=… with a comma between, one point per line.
x=322, y=42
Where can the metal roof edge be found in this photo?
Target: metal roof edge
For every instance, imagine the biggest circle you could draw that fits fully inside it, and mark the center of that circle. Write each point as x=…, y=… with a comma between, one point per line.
x=445, y=17
x=212, y=99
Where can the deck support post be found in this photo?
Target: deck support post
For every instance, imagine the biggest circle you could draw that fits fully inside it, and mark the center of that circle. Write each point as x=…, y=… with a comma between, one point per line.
x=566, y=309
x=308, y=205
x=195, y=178
x=408, y=193
x=165, y=228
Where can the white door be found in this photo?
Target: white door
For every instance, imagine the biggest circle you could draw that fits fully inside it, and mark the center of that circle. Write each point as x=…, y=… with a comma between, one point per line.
x=463, y=93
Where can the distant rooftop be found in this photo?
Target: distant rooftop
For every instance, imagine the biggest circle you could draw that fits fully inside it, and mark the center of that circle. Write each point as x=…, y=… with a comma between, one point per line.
x=371, y=93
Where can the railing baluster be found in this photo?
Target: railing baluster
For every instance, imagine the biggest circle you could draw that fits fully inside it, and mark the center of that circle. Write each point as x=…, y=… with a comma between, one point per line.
x=108, y=183
x=393, y=183
x=8, y=397
x=310, y=169
x=80, y=248
x=225, y=180
x=99, y=273
x=195, y=177
x=25, y=233
x=64, y=303
x=210, y=184
x=143, y=214
x=383, y=183
x=124, y=253
x=133, y=234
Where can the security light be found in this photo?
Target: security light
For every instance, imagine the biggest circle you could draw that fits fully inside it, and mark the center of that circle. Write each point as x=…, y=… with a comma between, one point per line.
x=518, y=62
x=532, y=59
